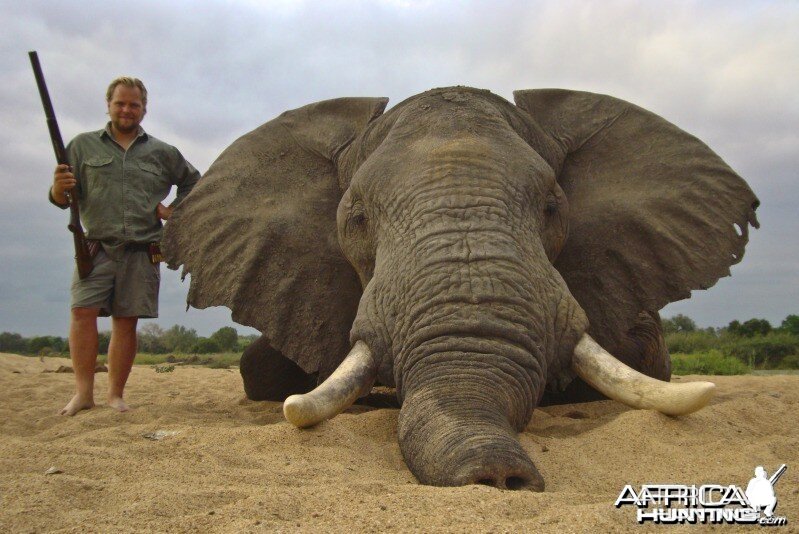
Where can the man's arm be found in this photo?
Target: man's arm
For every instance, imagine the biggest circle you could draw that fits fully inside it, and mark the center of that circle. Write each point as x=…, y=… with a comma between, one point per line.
x=185, y=178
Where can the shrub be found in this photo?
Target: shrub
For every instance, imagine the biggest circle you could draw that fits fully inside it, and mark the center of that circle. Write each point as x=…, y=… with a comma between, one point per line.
x=54, y=343
x=150, y=339
x=711, y=362
x=226, y=338
x=688, y=342
x=103, y=341
x=13, y=342
x=762, y=351
x=678, y=323
x=205, y=345
x=791, y=325
x=179, y=339
x=218, y=364
x=789, y=362
x=750, y=328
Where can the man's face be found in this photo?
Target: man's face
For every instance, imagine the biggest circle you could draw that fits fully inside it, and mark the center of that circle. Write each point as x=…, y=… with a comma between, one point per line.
x=126, y=108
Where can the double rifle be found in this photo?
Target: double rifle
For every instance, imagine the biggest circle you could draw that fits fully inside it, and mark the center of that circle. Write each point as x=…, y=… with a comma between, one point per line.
x=83, y=256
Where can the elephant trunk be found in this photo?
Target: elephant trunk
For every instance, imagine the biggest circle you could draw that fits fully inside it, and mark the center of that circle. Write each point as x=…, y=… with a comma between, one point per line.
x=471, y=350
x=467, y=388
x=453, y=432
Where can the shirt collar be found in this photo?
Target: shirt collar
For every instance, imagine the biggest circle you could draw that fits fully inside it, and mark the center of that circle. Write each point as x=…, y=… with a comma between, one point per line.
x=107, y=132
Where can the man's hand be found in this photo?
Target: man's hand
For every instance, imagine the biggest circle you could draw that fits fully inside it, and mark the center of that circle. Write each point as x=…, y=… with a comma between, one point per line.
x=63, y=180
x=163, y=212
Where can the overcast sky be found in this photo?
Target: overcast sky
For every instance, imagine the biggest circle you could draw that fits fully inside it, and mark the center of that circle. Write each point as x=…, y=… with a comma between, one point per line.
x=726, y=71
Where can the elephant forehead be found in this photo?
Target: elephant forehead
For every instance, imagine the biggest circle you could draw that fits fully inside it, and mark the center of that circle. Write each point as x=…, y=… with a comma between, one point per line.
x=415, y=123
x=453, y=111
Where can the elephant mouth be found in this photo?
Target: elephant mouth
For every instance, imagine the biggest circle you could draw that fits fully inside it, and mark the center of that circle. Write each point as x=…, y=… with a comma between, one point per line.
x=357, y=373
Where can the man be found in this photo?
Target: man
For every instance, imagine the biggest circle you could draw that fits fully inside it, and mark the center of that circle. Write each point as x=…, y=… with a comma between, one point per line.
x=119, y=175
x=760, y=492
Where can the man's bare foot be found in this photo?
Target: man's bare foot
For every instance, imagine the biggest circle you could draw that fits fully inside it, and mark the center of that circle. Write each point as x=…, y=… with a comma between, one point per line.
x=118, y=404
x=77, y=404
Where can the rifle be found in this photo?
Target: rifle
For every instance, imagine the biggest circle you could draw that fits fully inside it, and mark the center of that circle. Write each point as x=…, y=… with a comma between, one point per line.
x=777, y=474
x=83, y=256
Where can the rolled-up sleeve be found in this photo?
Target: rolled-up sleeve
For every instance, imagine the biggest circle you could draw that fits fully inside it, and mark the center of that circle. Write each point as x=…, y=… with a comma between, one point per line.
x=185, y=177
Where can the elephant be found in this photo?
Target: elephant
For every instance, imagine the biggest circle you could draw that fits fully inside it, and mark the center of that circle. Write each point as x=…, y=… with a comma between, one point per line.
x=479, y=256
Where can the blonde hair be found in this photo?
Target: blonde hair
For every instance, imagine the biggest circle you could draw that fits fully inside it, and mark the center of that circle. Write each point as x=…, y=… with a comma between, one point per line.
x=127, y=81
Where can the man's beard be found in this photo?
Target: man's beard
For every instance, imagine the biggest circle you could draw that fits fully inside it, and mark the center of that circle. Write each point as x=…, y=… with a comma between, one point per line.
x=126, y=129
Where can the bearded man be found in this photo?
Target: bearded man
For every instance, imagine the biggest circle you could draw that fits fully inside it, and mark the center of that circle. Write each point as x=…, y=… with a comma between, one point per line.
x=119, y=175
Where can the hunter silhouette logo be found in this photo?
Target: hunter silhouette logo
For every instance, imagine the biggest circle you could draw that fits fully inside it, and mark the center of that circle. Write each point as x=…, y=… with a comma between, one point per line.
x=760, y=491
x=708, y=503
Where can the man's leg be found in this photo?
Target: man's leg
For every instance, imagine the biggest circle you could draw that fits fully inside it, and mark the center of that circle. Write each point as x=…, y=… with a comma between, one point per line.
x=83, y=351
x=121, y=353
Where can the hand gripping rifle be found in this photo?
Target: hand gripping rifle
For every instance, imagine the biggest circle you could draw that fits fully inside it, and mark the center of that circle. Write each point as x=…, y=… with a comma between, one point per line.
x=82, y=255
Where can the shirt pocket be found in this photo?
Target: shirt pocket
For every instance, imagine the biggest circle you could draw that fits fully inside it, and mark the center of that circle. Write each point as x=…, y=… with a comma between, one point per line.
x=99, y=172
x=153, y=180
x=150, y=168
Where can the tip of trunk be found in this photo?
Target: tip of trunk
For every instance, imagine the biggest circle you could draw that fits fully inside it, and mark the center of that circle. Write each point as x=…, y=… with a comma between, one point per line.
x=461, y=447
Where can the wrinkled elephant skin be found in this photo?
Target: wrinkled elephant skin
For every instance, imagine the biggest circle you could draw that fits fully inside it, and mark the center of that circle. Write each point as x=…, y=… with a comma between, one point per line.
x=467, y=244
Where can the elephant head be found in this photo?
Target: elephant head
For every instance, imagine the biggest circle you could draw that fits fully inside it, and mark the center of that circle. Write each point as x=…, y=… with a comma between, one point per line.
x=465, y=248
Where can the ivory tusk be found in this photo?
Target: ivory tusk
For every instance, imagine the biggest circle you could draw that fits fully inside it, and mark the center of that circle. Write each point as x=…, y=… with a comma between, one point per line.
x=353, y=378
x=619, y=382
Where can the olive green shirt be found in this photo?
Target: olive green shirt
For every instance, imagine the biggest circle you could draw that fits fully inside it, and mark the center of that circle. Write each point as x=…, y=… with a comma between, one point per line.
x=118, y=190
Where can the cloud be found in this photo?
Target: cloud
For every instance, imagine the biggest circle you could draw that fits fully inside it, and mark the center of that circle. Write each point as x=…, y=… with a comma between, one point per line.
x=727, y=72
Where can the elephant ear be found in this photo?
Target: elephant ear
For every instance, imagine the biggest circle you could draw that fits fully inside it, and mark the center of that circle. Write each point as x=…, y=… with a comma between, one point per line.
x=654, y=213
x=258, y=232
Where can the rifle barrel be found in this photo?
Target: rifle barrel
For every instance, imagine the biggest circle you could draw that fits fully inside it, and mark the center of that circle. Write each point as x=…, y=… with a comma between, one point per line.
x=777, y=474
x=49, y=112
x=83, y=256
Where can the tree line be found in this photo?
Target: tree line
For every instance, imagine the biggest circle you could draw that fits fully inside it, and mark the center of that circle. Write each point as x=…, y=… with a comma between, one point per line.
x=750, y=328
x=755, y=343
x=752, y=344
x=152, y=339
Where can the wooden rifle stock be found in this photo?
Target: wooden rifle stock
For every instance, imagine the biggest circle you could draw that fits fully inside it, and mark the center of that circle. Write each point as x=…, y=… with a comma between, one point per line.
x=82, y=255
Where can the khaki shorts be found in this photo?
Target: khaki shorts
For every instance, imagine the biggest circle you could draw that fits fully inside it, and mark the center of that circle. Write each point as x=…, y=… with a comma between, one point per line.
x=123, y=286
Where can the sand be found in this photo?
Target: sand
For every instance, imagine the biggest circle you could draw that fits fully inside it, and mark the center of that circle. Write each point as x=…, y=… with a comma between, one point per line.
x=226, y=464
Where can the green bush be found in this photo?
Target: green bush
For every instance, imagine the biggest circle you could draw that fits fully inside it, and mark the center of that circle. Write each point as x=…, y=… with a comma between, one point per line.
x=789, y=362
x=54, y=343
x=678, y=323
x=689, y=342
x=218, y=364
x=224, y=360
x=791, y=325
x=711, y=362
x=762, y=351
x=179, y=339
x=226, y=338
x=13, y=342
x=750, y=328
x=205, y=345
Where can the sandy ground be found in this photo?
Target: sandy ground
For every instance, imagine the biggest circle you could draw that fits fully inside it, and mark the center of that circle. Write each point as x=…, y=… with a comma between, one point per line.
x=233, y=465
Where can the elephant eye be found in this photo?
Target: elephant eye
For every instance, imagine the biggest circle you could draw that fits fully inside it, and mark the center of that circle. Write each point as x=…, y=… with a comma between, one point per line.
x=551, y=205
x=358, y=218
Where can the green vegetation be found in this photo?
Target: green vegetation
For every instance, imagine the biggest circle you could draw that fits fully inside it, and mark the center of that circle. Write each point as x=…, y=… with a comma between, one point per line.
x=159, y=347
x=712, y=362
x=739, y=348
x=221, y=360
